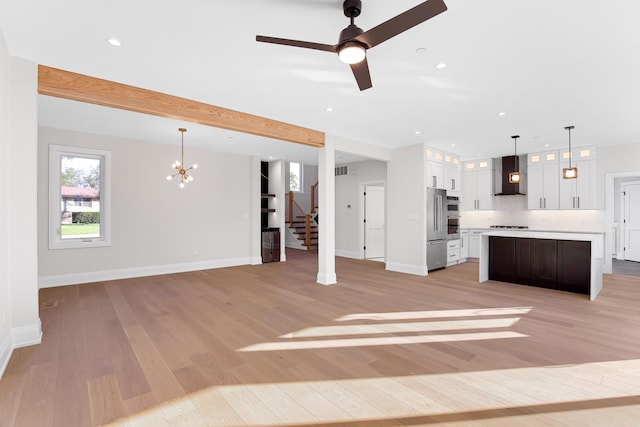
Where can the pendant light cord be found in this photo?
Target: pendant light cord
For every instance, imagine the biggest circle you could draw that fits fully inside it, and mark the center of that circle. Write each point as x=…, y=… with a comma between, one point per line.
x=570, y=155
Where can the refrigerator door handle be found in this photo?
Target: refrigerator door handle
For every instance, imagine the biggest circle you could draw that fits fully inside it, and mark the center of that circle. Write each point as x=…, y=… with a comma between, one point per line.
x=439, y=214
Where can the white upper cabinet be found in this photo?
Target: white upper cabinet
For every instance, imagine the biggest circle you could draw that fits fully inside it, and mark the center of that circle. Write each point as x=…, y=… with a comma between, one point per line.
x=579, y=193
x=544, y=180
x=434, y=167
x=477, y=185
x=452, y=174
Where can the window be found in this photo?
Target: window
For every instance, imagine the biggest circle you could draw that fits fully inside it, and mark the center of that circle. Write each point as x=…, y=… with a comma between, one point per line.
x=295, y=176
x=78, y=197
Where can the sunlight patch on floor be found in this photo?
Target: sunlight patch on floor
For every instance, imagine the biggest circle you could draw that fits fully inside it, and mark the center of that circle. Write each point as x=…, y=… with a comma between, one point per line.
x=401, y=333
x=546, y=395
x=366, y=342
x=431, y=314
x=383, y=328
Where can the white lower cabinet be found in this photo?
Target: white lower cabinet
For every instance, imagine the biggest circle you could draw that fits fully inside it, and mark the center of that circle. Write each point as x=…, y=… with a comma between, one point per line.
x=464, y=245
x=453, y=252
x=474, y=242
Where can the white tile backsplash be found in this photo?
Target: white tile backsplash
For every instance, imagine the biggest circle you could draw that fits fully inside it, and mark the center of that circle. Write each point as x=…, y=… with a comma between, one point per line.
x=512, y=210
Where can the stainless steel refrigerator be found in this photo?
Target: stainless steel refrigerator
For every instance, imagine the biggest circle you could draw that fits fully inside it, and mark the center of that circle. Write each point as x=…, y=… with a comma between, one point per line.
x=436, y=229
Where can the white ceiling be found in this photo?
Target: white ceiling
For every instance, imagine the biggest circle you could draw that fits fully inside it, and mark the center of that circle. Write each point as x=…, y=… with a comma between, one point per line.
x=545, y=63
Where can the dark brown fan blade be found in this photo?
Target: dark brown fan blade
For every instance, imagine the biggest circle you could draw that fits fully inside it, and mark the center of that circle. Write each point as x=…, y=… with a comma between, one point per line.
x=297, y=43
x=361, y=73
x=402, y=22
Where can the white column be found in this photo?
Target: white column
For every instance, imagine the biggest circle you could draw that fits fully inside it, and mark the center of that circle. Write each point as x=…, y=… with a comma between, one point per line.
x=327, y=212
x=22, y=202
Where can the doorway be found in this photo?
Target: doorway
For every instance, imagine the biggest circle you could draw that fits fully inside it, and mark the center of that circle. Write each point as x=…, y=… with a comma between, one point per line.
x=630, y=224
x=373, y=241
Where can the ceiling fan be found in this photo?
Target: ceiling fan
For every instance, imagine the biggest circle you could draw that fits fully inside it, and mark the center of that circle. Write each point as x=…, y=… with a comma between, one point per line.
x=354, y=42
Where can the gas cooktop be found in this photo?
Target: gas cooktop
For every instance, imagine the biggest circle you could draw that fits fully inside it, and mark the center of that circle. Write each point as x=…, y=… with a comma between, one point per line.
x=511, y=227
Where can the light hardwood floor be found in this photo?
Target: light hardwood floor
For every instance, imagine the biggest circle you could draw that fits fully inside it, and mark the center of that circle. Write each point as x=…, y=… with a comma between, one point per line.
x=266, y=345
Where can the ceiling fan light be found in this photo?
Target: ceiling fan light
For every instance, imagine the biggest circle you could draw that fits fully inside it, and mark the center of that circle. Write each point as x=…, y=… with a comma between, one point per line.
x=352, y=53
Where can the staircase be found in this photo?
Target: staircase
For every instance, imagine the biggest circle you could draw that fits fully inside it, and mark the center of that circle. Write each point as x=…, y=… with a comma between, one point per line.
x=299, y=228
x=302, y=224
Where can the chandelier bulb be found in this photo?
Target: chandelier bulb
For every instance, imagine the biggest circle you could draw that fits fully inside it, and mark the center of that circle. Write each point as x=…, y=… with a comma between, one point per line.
x=181, y=185
x=195, y=166
x=169, y=177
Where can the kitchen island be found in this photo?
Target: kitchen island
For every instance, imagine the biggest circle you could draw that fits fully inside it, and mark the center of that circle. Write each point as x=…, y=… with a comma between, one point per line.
x=569, y=261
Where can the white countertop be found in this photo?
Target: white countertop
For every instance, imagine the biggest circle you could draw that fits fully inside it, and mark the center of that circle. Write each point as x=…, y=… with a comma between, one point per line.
x=544, y=234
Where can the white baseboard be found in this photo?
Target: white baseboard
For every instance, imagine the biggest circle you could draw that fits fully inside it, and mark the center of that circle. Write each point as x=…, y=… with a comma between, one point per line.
x=327, y=279
x=348, y=254
x=24, y=336
x=6, y=349
x=416, y=270
x=128, y=273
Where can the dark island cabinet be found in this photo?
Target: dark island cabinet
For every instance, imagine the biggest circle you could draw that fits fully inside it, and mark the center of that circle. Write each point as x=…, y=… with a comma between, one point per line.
x=502, y=258
x=548, y=263
x=574, y=273
x=537, y=260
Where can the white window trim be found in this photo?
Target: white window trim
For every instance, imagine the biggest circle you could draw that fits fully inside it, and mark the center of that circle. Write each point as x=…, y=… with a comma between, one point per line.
x=56, y=152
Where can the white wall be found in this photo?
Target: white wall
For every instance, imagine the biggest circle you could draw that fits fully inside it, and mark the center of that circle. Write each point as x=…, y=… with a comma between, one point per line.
x=5, y=294
x=348, y=214
x=406, y=201
x=156, y=227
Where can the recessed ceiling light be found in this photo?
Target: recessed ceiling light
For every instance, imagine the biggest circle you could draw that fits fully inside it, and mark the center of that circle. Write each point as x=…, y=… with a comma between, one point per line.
x=453, y=145
x=421, y=50
x=114, y=42
x=547, y=145
x=417, y=132
x=329, y=109
x=502, y=113
x=270, y=157
x=441, y=65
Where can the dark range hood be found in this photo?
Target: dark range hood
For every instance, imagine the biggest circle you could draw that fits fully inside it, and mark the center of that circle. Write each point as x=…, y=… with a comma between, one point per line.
x=504, y=166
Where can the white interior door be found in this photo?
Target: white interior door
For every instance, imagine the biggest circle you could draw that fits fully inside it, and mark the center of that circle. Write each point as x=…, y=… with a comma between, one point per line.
x=632, y=222
x=373, y=221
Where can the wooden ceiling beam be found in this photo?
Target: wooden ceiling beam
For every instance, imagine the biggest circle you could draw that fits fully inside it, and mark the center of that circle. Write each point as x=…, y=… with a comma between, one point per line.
x=79, y=87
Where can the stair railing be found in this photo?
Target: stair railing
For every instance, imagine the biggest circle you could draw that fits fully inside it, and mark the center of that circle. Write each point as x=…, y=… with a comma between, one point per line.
x=307, y=219
x=314, y=187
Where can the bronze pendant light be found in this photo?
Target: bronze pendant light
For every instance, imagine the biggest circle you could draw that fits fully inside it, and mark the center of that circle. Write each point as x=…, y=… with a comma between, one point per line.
x=570, y=172
x=515, y=177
